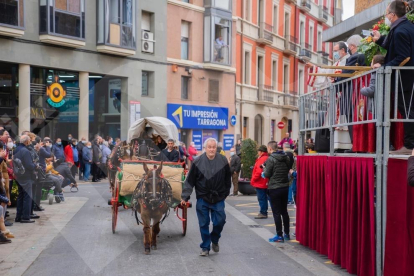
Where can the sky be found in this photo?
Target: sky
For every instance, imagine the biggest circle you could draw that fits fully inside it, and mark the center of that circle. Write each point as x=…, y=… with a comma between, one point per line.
x=349, y=8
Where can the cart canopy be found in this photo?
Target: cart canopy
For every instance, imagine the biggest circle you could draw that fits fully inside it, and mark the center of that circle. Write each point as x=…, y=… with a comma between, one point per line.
x=159, y=126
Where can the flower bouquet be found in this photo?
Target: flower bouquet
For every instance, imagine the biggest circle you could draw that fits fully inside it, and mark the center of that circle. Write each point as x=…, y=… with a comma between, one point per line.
x=368, y=47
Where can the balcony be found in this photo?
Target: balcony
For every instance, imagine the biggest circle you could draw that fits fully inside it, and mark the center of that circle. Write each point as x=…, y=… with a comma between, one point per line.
x=323, y=58
x=265, y=34
x=305, y=5
x=290, y=45
x=305, y=53
x=265, y=95
x=291, y=99
x=116, y=33
x=291, y=1
x=62, y=23
x=323, y=14
x=12, y=18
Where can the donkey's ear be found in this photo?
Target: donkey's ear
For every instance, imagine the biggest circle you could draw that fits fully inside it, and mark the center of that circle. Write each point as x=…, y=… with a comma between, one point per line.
x=159, y=168
x=145, y=168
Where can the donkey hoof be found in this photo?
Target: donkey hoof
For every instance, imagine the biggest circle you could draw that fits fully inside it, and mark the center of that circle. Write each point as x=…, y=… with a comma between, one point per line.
x=153, y=247
x=147, y=251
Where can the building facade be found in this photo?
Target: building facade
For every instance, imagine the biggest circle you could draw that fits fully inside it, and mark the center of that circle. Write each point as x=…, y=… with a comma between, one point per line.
x=276, y=39
x=201, y=70
x=81, y=67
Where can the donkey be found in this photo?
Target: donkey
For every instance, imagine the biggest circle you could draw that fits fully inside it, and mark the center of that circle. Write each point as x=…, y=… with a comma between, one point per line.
x=151, y=199
x=121, y=151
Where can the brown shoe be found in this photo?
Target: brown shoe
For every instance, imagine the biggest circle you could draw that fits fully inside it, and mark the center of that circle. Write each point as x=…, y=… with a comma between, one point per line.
x=9, y=235
x=260, y=216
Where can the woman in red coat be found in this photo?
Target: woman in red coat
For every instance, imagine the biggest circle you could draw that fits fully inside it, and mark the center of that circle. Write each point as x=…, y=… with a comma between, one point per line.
x=260, y=183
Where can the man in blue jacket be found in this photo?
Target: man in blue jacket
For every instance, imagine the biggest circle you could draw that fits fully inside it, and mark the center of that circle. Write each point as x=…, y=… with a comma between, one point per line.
x=400, y=45
x=24, y=181
x=58, y=150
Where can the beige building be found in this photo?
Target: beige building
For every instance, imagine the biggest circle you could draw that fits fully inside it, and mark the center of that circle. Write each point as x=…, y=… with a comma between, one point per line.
x=201, y=70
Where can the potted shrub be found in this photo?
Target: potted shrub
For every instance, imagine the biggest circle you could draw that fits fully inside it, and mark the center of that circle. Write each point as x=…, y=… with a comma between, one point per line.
x=248, y=158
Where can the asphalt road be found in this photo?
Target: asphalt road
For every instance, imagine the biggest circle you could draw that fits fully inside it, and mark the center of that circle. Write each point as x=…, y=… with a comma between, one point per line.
x=86, y=245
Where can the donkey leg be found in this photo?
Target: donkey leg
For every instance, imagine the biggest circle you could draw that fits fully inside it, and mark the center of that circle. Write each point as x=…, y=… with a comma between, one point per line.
x=155, y=231
x=147, y=232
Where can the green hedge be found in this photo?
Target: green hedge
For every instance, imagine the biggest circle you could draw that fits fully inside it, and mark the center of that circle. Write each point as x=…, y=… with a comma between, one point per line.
x=248, y=157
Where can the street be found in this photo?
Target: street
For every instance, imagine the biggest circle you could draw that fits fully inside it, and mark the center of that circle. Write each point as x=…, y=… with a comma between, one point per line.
x=75, y=238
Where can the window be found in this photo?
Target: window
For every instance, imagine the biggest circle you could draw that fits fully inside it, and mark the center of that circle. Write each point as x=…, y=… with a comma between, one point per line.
x=63, y=17
x=247, y=68
x=146, y=21
x=301, y=82
x=247, y=10
x=217, y=39
x=184, y=87
x=220, y=4
x=275, y=16
x=213, y=91
x=147, y=88
x=319, y=42
x=287, y=24
x=274, y=75
x=286, y=78
x=185, y=1
x=302, y=34
x=310, y=38
x=12, y=12
x=185, y=30
x=116, y=23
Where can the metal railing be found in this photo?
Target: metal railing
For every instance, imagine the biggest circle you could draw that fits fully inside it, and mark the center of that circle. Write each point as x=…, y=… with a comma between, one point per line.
x=265, y=94
x=306, y=4
x=305, y=53
x=358, y=102
x=266, y=32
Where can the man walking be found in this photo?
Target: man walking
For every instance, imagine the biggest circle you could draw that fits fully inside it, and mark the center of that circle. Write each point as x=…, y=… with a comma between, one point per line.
x=277, y=170
x=235, y=167
x=210, y=175
x=24, y=181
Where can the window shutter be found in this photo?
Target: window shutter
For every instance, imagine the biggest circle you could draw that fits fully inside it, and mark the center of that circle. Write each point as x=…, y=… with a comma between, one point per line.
x=213, y=91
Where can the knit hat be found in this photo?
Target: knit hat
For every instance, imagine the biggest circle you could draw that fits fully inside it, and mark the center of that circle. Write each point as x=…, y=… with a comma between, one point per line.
x=262, y=148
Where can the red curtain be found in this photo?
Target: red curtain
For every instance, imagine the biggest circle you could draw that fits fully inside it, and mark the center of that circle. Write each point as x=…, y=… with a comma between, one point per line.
x=335, y=210
x=399, y=242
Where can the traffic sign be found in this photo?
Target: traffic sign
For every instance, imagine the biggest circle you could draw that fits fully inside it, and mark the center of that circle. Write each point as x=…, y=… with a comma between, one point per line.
x=281, y=125
x=233, y=120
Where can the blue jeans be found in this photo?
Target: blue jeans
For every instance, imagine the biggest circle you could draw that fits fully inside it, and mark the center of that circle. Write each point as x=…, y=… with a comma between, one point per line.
x=290, y=195
x=262, y=198
x=218, y=216
x=87, y=171
x=24, y=201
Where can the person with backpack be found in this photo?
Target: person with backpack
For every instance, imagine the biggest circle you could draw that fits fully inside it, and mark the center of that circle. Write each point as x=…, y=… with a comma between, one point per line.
x=24, y=168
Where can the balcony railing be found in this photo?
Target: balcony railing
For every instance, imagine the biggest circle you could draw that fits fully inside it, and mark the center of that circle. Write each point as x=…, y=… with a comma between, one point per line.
x=264, y=94
x=291, y=1
x=323, y=14
x=290, y=45
x=305, y=5
x=305, y=53
x=265, y=33
x=307, y=46
x=291, y=98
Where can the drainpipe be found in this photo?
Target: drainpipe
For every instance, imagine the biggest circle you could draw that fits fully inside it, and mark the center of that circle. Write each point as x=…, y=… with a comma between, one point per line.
x=241, y=70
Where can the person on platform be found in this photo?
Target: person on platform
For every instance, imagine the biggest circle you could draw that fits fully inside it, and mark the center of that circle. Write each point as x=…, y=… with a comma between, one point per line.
x=210, y=176
x=399, y=44
x=277, y=171
x=169, y=153
x=340, y=55
x=261, y=183
x=235, y=167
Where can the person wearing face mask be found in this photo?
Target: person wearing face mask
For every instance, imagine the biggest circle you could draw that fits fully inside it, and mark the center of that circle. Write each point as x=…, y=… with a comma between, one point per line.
x=340, y=54
x=235, y=167
x=87, y=160
x=260, y=183
x=71, y=154
x=399, y=44
x=24, y=181
x=80, y=147
x=58, y=150
x=97, y=155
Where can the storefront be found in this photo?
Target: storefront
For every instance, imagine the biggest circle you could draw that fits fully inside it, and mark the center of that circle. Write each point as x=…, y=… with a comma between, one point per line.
x=198, y=123
x=9, y=89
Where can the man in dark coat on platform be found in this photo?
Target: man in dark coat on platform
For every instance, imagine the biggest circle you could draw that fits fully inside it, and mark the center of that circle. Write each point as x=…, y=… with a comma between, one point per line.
x=400, y=45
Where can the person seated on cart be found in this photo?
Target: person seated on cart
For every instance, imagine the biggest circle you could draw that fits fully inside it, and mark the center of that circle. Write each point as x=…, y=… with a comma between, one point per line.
x=160, y=143
x=169, y=154
x=63, y=168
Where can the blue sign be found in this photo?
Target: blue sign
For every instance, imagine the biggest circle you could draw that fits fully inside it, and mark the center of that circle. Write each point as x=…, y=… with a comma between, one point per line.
x=228, y=141
x=198, y=117
x=197, y=139
x=233, y=120
x=210, y=134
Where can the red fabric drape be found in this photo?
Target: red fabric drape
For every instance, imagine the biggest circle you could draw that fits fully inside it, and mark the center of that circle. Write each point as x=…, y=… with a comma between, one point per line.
x=397, y=132
x=399, y=242
x=335, y=210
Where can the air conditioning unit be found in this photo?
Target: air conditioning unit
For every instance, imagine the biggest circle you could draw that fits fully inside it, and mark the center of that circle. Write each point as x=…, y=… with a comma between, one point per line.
x=148, y=46
x=147, y=36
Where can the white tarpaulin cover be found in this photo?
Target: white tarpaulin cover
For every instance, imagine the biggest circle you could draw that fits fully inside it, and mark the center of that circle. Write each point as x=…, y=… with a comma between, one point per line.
x=161, y=126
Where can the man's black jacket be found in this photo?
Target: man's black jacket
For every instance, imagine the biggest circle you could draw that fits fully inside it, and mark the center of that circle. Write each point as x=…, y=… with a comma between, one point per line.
x=211, y=179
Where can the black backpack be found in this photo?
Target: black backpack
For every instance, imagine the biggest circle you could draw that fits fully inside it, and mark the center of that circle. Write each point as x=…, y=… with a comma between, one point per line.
x=18, y=168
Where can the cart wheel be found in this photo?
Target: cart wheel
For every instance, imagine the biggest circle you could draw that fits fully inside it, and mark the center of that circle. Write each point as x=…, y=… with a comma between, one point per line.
x=57, y=199
x=115, y=207
x=51, y=197
x=184, y=213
